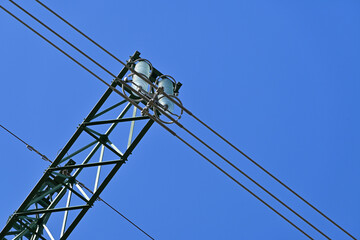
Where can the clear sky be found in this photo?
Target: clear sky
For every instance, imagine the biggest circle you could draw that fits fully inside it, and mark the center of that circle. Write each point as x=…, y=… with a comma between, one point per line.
x=280, y=79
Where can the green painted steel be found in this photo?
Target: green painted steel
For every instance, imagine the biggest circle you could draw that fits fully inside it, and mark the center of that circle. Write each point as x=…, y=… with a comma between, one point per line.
x=78, y=151
x=33, y=218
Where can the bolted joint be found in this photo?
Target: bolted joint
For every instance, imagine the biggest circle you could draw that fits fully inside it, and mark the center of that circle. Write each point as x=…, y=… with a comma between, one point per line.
x=71, y=179
x=150, y=103
x=160, y=90
x=104, y=138
x=177, y=88
x=145, y=111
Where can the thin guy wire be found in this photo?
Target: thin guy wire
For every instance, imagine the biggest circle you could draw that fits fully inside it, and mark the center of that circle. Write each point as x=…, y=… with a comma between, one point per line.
x=80, y=183
x=207, y=126
x=221, y=156
x=122, y=215
x=156, y=120
x=27, y=145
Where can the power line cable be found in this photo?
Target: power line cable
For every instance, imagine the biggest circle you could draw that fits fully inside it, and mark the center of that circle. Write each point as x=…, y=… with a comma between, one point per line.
x=80, y=183
x=207, y=126
x=180, y=125
x=188, y=132
x=155, y=119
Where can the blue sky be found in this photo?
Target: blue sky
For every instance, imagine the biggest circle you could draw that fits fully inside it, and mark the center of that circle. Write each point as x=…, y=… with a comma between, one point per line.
x=280, y=79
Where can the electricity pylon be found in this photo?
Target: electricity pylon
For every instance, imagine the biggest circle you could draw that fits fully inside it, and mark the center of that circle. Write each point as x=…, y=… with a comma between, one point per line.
x=89, y=157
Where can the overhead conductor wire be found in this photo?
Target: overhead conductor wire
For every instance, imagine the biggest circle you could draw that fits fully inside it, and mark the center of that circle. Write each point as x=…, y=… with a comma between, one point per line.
x=155, y=119
x=193, y=135
x=80, y=183
x=243, y=173
x=204, y=124
x=198, y=139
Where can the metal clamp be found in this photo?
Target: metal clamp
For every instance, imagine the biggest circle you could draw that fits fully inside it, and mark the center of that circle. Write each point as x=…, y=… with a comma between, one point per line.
x=151, y=102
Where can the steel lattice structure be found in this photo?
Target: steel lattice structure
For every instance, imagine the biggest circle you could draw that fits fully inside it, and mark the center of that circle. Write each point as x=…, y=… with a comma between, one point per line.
x=59, y=189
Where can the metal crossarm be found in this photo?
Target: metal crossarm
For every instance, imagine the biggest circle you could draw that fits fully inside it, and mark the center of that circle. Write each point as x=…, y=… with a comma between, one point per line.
x=60, y=189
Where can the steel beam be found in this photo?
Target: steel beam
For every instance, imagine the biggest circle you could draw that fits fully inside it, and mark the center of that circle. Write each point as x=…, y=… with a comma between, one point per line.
x=53, y=185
